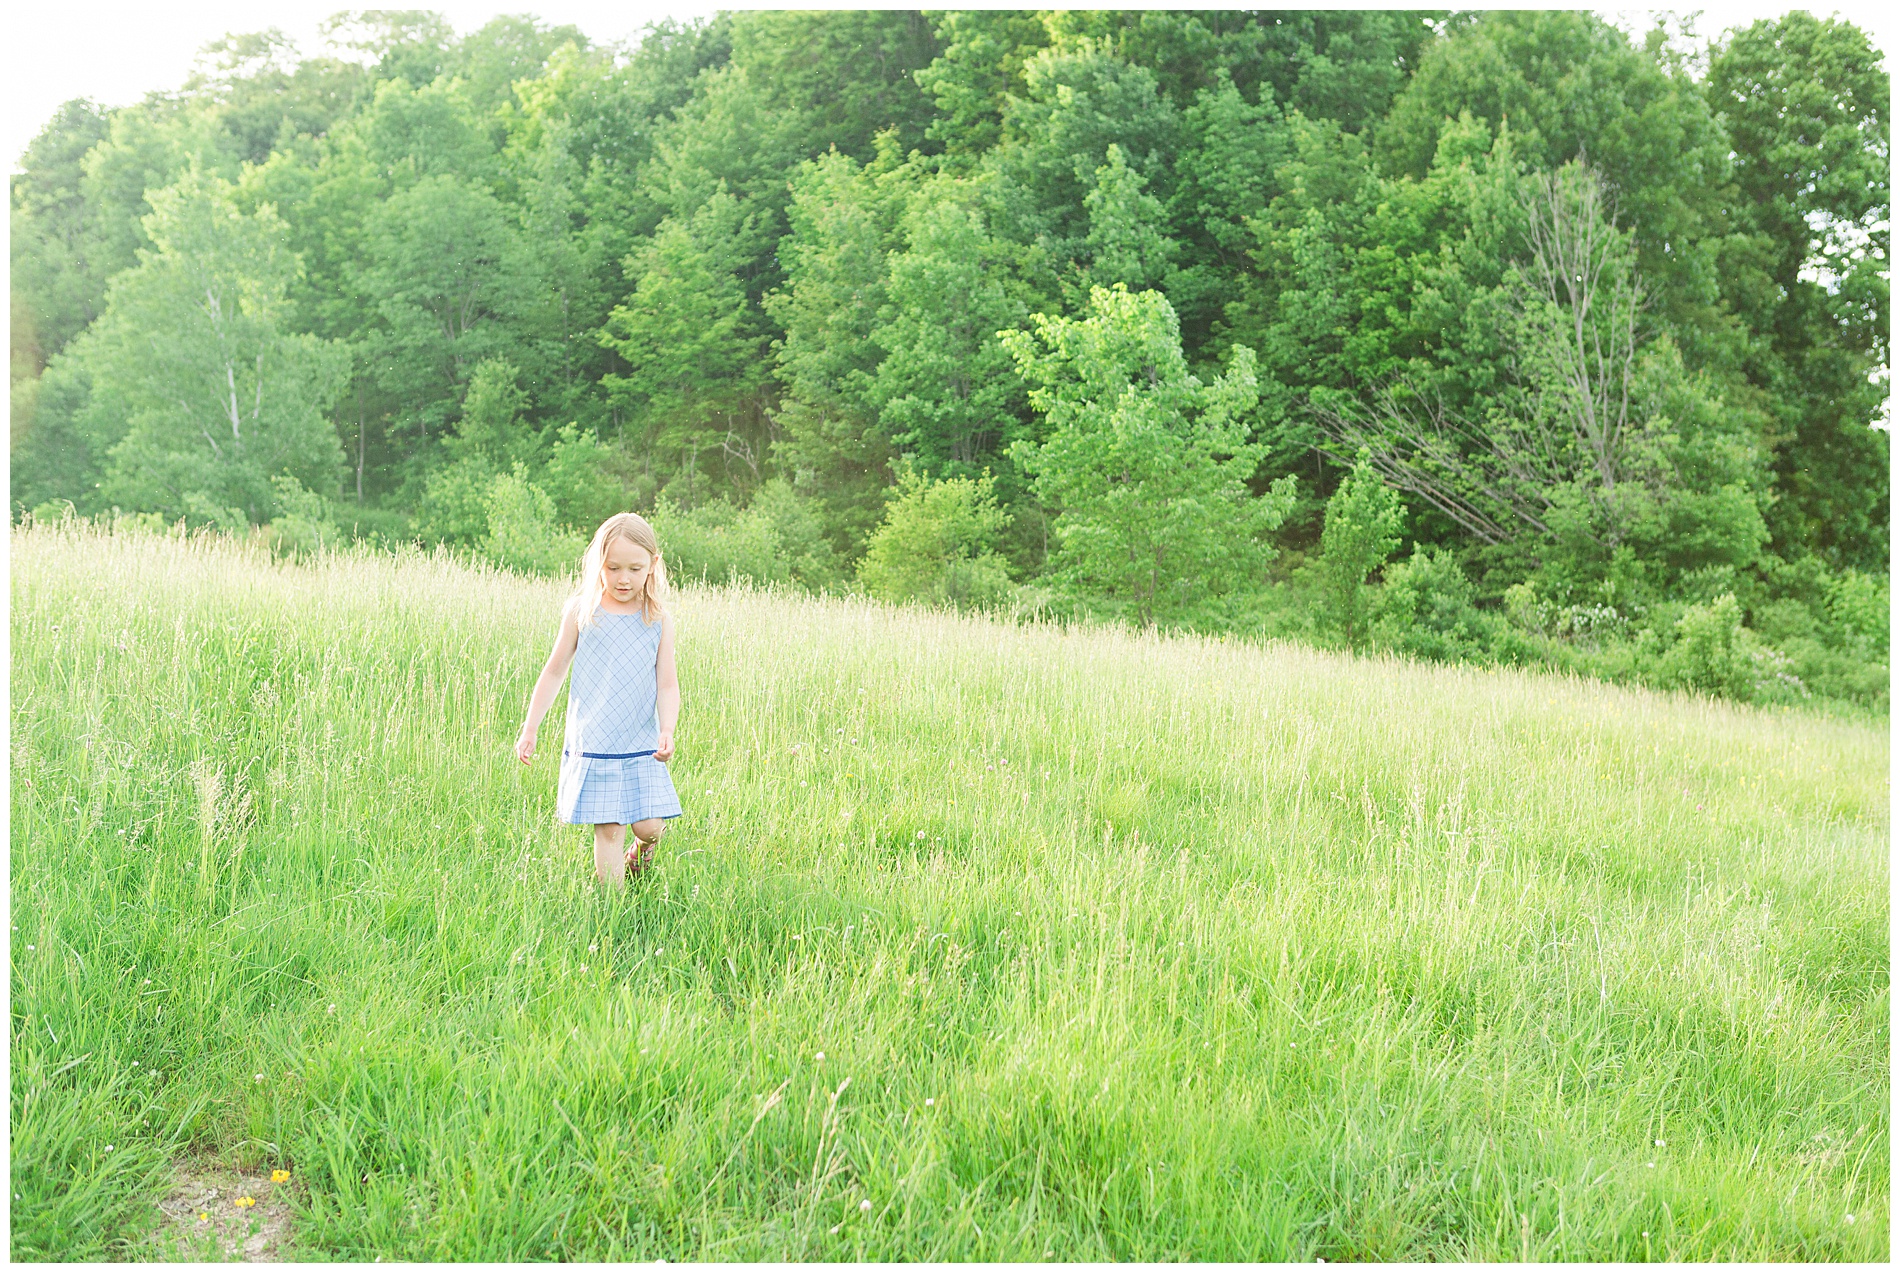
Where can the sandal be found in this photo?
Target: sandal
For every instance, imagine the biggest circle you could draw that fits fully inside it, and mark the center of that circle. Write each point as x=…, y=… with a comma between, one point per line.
x=640, y=857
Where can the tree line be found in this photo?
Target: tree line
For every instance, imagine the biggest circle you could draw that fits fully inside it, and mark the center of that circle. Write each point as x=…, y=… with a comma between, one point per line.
x=1492, y=336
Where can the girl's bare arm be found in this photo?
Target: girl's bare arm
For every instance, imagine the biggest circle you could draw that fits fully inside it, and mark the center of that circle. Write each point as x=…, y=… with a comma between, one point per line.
x=669, y=687
x=550, y=683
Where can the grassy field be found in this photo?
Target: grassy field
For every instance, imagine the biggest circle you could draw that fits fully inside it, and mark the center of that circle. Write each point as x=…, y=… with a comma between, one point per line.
x=976, y=941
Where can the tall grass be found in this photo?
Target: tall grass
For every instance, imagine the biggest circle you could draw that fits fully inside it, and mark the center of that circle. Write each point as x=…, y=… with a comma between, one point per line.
x=976, y=941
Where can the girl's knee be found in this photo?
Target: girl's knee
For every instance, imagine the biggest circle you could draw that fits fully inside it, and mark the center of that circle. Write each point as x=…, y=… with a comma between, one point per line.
x=649, y=829
x=609, y=832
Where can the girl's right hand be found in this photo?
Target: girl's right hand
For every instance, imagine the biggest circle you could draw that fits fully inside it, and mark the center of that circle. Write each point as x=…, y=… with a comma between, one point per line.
x=524, y=745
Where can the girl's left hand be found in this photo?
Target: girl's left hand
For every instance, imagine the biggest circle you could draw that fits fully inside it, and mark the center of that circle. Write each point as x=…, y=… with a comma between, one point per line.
x=664, y=751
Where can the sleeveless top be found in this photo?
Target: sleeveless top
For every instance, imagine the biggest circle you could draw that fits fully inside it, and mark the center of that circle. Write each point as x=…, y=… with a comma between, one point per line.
x=613, y=687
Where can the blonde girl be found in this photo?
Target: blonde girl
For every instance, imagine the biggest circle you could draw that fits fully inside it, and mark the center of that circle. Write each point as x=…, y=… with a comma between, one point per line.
x=624, y=700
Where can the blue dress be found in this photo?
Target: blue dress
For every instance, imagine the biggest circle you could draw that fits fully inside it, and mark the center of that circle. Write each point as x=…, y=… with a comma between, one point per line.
x=608, y=773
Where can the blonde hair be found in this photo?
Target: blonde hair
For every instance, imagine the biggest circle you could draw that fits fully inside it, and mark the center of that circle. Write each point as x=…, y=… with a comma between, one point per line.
x=635, y=530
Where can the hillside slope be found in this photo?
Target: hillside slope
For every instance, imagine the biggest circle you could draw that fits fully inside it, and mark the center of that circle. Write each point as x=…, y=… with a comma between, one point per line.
x=975, y=941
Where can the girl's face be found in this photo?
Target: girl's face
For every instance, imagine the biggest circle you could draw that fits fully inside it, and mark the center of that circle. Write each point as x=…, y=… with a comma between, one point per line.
x=624, y=569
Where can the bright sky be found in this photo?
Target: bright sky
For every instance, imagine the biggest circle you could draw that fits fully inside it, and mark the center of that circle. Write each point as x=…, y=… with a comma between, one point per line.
x=115, y=52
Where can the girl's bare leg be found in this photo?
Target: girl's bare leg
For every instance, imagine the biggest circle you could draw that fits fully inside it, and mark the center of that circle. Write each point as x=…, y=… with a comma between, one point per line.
x=646, y=833
x=610, y=861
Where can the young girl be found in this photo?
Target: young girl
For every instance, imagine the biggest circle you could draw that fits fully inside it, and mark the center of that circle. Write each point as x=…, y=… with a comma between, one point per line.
x=623, y=703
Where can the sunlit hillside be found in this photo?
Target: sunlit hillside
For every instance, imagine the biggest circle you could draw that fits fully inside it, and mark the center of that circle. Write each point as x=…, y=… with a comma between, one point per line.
x=976, y=941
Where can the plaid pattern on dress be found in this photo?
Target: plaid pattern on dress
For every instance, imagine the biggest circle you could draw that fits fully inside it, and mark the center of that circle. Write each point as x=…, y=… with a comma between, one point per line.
x=612, y=697
x=620, y=791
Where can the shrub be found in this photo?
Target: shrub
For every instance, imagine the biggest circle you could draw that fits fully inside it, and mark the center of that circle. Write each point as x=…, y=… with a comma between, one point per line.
x=933, y=544
x=303, y=523
x=719, y=541
x=1147, y=463
x=1362, y=529
x=801, y=537
x=1425, y=609
x=1859, y=606
x=202, y=510
x=1714, y=653
x=582, y=476
x=522, y=533
x=454, y=506
x=1583, y=625
x=386, y=527
x=52, y=512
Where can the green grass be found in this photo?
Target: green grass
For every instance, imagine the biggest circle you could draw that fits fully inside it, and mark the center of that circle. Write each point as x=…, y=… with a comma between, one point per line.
x=1114, y=946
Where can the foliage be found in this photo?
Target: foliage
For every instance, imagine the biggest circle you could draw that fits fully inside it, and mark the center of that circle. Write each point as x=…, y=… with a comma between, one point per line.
x=719, y=542
x=935, y=543
x=943, y=390
x=688, y=335
x=189, y=389
x=1146, y=464
x=1608, y=313
x=776, y=538
x=1806, y=104
x=842, y=226
x=1363, y=520
x=1425, y=609
x=522, y=531
x=305, y=525
x=801, y=538
x=1715, y=653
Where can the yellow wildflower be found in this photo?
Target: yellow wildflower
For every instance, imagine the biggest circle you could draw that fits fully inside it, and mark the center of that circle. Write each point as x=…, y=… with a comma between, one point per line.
x=246, y=1202
x=279, y=1176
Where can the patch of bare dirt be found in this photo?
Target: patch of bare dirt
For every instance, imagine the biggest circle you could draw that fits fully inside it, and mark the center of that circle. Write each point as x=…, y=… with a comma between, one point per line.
x=206, y=1219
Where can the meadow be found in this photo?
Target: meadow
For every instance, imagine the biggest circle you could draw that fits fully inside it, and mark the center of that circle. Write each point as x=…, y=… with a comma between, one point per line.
x=977, y=941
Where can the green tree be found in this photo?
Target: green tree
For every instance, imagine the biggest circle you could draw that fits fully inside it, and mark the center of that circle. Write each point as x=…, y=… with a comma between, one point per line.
x=508, y=50
x=409, y=45
x=56, y=288
x=944, y=390
x=844, y=75
x=843, y=221
x=1806, y=102
x=691, y=340
x=1126, y=243
x=588, y=479
x=1363, y=520
x=451, y=277
x=147, y=147
x=1146, y=464
x=265, y=97
x=190, y=374
x=1571, y=84
x=979, y=69
x=1340, y=65
x=729, y=137
x=523, y=531
x=1548, y=419
x=1226, y=175
x=1079, y=99
x=936, y=541
x=488, y=441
